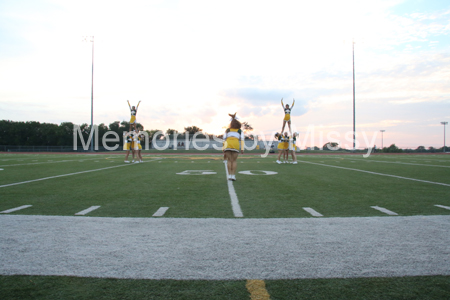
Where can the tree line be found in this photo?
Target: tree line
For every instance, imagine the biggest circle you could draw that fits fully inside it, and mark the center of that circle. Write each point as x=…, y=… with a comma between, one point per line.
x=34, y=133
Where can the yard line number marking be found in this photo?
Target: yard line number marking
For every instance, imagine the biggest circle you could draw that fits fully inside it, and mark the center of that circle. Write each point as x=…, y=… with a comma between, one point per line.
x=375, y=173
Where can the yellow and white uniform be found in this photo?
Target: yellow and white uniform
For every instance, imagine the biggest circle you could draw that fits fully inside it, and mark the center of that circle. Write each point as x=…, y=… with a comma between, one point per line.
x=136, y=142
x=283, y=142
x=127, y=142
x=294, y=147
x=133, y=113
x=287, y=112
x=232, y=137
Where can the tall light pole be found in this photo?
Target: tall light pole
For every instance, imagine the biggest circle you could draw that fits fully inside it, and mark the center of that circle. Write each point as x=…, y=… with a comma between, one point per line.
x=444, y=123
x=91, y=39
x=382, y=138
x=354, y=130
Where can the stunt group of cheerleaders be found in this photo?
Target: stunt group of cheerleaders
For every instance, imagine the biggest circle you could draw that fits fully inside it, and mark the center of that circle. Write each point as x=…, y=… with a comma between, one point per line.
x=132, y=139
x=286, y=142
x=233, y=140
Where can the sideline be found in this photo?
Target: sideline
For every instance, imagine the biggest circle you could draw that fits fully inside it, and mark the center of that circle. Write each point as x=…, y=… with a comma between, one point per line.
x=224, y=249
x=398, y=162
x=375, y=173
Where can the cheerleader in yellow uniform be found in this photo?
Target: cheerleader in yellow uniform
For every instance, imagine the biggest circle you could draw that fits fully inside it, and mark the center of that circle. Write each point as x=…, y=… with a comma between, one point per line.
x=234, y=141
x=293, y=147
x=128, y=145
x=287, y=115
x=137, y=147
x=133, y=111
x=283, y=146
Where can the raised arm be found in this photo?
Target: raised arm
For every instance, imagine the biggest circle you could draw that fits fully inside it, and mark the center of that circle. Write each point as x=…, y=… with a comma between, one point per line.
x=129, y=104
x=293, y=101
x=137, y=106
x=282, y=105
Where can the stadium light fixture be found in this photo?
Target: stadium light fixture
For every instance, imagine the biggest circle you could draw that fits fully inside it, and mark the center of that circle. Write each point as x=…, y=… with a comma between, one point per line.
x=354, y=129
x=91, y=39
x=444, y=123
x=382, y=138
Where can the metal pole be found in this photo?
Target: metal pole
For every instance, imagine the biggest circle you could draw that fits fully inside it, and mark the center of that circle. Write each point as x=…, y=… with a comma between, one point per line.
x=92, y=97
x=444, y=123
x=353, y=52
x=382, y=138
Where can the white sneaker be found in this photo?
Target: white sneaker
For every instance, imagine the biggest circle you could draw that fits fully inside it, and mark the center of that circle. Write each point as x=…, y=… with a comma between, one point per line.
x=141, y=161
x=127, y=161
x=279, y=162
x=132, y=161
x=136, y=162
x=233, y=177
x=229, y=177
x=294, y=163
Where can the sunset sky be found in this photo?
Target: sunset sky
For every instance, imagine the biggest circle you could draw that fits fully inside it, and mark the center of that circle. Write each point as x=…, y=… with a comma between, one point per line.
x=193, y=62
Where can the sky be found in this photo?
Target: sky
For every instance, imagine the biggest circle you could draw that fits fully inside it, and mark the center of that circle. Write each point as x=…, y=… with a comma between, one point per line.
x=193, y=62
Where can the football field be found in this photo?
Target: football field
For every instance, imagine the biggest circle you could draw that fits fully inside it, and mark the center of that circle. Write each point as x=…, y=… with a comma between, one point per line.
x=331, y=226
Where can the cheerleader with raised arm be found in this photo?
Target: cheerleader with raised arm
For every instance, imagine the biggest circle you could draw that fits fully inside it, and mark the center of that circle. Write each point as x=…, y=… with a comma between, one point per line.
x=133, y=112
x=287, y=115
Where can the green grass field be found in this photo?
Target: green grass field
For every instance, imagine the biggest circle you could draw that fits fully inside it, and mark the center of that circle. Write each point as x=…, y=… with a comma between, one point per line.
x=194, y=185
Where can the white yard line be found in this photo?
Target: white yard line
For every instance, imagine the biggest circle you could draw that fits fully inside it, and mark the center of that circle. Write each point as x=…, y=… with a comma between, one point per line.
x=443, y=206
x=160, y=212
x=63, y=175
x=313, y=212
x=14, y=209
x=402, y=163
x=47, y=162
x=234, y=199
x=384, y=210
x=375, y=173
x=86, y=211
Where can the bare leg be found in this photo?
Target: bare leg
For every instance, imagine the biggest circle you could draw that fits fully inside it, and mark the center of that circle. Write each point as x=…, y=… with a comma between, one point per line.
x=229, y=162
x=289, y=125
x=279, y=154
x=282, y=129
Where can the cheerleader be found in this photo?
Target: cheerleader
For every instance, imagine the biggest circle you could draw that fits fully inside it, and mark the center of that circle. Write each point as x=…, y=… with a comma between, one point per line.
x=287, y=115
x=232, y=138
x=293, y=147
x=128, y=145
x=133, y=111
x=283, y=145
x=137, y=147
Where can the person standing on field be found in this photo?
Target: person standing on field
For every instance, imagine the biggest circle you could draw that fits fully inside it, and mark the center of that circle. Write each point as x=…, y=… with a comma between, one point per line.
x=233, y=142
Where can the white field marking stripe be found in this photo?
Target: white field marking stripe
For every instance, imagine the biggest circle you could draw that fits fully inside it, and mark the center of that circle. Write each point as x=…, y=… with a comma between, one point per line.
x=386, y=211
x=234, y=199
x=57, y=176
x=402, y=163
x=51, y=162
x=14, y=209
x=312, y=212
x=375, y=173
x=160, y=212
x=443, y=206
x=88, y=210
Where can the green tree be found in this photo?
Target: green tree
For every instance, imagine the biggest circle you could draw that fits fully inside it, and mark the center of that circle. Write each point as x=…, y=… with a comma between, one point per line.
x=192, y=129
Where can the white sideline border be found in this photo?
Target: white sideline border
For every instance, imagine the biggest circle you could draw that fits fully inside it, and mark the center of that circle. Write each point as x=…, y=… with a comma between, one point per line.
x=313, y=212
x=442, y=206
x=375, y=173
